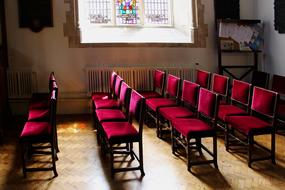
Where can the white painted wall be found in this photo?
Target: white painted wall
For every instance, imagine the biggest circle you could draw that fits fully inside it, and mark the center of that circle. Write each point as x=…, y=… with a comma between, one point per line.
x=274, y=43
x=48, y=51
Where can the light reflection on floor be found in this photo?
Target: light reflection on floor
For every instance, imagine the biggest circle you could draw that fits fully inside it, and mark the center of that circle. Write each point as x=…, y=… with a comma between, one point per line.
x=75, y=127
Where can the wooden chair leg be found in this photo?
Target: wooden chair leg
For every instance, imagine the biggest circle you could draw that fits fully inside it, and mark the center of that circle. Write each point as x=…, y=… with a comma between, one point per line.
x=198, y=144
x=157, y=125
x=131, y=151
x=215, y=151
x=250, y=145
x=53, y=152
x=273, y=147
x=172, y=140
x=188, y=155
x=98, y=134
x=227, y=140
x=112, y=161
x=141, y=157
x=56, y=142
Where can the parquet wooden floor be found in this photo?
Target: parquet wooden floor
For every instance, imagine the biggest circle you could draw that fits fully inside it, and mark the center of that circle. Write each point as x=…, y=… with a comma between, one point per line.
x=81, y=166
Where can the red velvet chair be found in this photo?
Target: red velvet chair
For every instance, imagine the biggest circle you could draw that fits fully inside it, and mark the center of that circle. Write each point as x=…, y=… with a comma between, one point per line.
x=120, y=132
x=203, y=78
x=35, y=132
x=240, y=98
x=41, y=100
x=106, y=95
x=220, y=85
x=158, y=85
x=261, y=121
x=107, y=103
x=278, y=86
x=203, y=126
x=171, y=99
x=42, y=113
x=188, y=106
x=102, y=115
x=110, y=103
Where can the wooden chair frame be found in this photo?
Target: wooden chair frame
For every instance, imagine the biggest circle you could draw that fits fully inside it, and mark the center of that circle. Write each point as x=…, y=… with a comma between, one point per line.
x=27, y=144
x=185, y=142
x=248, y=140
x=109, y=147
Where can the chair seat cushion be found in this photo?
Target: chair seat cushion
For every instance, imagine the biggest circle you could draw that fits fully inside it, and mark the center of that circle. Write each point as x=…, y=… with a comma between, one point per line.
x=110, y=115
x=150, y=94
x=42, y=115
x=188, y=126
x=227, y=110
x=120, y=131
x=100, y=95
x=247, y=124
x=106, y=104
x=155, y=103
x=36, y=129
x=171, y=113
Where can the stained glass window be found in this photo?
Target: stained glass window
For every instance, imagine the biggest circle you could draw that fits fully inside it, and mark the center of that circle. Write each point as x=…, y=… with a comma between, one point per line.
x=157, y=11
x=127, y=12
x=99, y=11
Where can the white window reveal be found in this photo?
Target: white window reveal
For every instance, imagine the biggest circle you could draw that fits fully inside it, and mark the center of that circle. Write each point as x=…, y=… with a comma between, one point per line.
x=135, y=21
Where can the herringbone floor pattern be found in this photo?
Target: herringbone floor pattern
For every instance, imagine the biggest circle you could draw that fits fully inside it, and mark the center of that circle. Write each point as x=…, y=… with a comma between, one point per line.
x=81, y=166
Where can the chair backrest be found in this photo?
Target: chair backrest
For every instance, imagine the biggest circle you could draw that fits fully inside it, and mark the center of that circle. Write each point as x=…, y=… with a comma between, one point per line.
x=208, y=104
x=190, y=91
x=113, y=81
x=241, y=92
x=172, y=89
x=118, y=83
x=264, y=102
x=278, y=84
x=260, y=79
x=124, y=95
x=53, y=102
x=220, y=84
x=203, y=78
x=137, y=109
x=158, y=81
x=51, y=80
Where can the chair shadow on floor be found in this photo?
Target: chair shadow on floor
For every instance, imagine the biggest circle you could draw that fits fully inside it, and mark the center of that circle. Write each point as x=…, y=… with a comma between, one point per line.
x=120, y=179
x=207, y=173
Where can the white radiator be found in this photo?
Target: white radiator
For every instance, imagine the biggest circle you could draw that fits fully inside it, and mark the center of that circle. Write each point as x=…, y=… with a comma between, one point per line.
x=21, y=84
x=98, y=79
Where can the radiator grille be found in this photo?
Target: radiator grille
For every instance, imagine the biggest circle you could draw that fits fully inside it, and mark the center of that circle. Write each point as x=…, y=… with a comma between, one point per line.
x=98, y=79
x=21, y=84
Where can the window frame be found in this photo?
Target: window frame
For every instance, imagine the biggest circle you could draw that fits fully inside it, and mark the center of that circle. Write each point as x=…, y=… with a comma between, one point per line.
x=199, y=30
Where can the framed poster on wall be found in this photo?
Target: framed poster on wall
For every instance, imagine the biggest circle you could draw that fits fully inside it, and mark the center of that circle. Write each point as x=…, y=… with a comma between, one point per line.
x=35, y=14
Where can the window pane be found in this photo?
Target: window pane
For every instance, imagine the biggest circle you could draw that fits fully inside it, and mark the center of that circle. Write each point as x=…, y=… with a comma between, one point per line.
x=157, y=11
x=127, y=12
x=99, y=11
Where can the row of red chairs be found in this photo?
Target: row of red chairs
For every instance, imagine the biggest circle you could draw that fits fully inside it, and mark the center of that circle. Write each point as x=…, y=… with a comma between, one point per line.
x=39, y=132
x=114, y=114
x=196, y=111
x=249, y=113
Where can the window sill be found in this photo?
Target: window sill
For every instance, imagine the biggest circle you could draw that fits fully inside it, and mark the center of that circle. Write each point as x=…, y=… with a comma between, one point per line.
x=132, y=35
